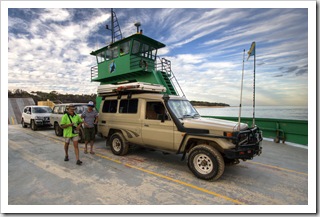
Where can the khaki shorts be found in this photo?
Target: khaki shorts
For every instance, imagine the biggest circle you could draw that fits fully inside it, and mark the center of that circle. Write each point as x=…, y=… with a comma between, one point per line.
x=74, y=139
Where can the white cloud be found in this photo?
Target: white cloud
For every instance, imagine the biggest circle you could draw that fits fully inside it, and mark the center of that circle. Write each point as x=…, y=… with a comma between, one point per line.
x=54, y=14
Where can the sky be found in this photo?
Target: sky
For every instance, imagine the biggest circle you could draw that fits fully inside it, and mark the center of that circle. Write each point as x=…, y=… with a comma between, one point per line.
x=49, y=49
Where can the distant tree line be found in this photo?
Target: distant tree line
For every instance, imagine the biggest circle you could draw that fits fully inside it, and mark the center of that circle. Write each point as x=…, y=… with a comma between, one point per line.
x=202, y=103
x=53, y=96
x=56, y=97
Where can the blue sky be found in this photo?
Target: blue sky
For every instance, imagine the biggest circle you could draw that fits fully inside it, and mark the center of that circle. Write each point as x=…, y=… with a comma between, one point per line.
x=48, y=49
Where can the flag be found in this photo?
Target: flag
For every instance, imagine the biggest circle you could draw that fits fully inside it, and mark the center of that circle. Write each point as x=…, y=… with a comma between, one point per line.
x=252, y=50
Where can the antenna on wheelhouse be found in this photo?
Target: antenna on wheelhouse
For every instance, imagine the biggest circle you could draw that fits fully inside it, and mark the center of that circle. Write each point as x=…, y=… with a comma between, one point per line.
x=138, y=24
x=115, y=27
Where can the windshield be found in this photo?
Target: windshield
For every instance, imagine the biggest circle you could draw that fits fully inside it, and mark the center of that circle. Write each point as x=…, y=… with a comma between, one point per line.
x=41, y=110
x=183, y=109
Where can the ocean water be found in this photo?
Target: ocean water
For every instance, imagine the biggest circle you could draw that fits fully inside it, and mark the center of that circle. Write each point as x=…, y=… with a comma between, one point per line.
x=277, y=112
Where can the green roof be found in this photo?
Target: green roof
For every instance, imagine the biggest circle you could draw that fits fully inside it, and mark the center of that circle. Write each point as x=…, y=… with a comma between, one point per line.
x=139, y=37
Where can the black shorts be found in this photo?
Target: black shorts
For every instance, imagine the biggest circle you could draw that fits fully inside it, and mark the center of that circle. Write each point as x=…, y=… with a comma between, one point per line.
x=89, y=134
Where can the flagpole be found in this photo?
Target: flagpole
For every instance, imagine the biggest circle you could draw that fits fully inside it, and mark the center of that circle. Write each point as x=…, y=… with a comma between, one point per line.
x=254, y=89
x=240, y=106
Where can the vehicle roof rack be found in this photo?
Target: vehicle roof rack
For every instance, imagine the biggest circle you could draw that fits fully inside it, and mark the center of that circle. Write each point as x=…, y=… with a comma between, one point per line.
x=133, y=87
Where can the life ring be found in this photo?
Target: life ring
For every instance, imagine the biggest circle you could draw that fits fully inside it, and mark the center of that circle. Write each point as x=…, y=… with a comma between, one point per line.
x=143, y=64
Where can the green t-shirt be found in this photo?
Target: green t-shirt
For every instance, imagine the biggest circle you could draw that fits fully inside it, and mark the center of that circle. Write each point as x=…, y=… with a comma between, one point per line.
x=76, y=120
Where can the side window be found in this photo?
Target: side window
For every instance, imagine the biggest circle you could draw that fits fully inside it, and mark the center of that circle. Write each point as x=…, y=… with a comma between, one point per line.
x=128, y=106
x=155, y=111
x=101, y=57
x=56, y=110
x=145, y=50
x=61, y=109
x=124, y=48
x=80, y=109
x=114, y=52
x=110, y=106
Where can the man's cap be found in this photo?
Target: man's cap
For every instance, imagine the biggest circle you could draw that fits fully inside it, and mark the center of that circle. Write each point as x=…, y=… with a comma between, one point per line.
x=90, y=103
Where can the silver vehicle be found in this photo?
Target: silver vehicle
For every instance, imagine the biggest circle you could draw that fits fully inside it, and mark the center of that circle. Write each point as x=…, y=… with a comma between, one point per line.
x=59, y=110
x=36, y=116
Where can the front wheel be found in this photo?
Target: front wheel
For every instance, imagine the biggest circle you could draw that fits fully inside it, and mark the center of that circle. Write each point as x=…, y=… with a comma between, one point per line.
x=33, y=125
x=57, y=129
x=205, y=162
x=118, y=144
x=23, y=124
x=81, y=135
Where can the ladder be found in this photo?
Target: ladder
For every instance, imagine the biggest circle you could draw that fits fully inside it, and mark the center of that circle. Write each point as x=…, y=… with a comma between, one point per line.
x=169, y=77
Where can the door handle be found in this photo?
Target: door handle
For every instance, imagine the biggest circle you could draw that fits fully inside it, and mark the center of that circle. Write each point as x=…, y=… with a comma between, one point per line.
x=146, y=125
x=103, y=122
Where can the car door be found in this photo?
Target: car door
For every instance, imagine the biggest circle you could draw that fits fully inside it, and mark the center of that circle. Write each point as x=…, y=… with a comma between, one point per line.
x=157, y=127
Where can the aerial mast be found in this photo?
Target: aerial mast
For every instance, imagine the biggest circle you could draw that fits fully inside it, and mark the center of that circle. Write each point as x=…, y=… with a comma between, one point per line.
x=115, y=28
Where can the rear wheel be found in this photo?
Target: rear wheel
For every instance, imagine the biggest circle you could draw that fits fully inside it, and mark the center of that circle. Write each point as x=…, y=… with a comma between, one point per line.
x=206, y=162
x=57, y=129
x=118, y=144
x=33, y=125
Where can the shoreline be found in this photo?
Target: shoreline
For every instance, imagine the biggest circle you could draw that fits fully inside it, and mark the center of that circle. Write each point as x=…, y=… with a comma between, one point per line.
x=208, y=106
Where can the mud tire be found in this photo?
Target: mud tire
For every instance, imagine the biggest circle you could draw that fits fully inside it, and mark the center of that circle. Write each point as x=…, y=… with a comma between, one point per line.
x=205, y=162
x=118, y=144
x=58, y=130
x=23, y=124
x=81, y=135
x=33, y=125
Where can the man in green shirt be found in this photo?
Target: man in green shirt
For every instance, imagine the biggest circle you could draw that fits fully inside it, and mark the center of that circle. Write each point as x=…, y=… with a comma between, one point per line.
x=70, y=123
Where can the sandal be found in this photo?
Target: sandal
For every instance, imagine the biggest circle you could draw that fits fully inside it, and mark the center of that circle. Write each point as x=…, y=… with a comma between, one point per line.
x=79, y=162
x=85, y=151
x=91, y=152
x=66, y=158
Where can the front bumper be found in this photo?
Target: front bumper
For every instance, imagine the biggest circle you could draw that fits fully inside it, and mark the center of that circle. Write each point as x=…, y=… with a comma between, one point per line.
x=246, y=152
x=248, y=145
x=43, y=122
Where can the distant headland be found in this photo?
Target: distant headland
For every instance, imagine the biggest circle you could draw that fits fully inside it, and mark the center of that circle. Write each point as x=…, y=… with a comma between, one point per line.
x=207, y=104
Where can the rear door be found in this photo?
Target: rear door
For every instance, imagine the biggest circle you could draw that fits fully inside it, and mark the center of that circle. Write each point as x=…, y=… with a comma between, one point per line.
x=157, y=127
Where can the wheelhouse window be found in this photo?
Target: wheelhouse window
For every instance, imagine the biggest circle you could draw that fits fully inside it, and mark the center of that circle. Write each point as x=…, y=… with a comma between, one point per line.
x=101, y=57
x=136, y=47
x=111, y=53
x=124, y=48
x=146, y=50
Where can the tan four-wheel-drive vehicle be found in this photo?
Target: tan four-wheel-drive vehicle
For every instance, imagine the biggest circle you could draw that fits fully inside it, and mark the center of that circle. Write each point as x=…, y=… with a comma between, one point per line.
x=148, y=118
